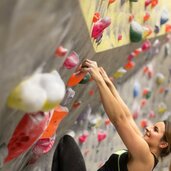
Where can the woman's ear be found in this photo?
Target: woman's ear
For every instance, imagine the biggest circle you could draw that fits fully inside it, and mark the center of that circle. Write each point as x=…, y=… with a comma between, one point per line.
x=163, y=144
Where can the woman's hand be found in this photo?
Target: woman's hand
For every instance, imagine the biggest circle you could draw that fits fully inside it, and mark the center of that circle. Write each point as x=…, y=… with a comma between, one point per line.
x=92, y=67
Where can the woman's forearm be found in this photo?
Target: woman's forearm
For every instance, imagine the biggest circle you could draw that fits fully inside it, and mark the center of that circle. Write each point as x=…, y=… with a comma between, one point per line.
x=117, y=96
x=124, y=106
x=111, y=105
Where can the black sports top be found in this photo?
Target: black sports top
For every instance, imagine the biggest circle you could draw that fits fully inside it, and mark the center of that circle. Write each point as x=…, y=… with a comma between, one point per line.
x=118, y=162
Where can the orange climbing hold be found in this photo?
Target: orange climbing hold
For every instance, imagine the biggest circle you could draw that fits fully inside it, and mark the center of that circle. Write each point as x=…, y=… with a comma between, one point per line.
x=137, y=52
x=154, y=3
x=60, y=51
x=129, y=65
x=59, y=113
x=76, y=78
x=96, y=17
x=146, y=16
x=168, y=28
x=111, y=1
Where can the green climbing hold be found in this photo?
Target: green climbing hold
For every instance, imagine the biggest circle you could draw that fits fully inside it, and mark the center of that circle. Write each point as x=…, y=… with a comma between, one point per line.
x=86, y=79
x=136, y=32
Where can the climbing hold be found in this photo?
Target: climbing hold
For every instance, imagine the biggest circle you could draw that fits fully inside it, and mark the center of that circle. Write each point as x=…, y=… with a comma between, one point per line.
x=58, y=114
x=111, y=1
x=96, y=17
x=143, y=103
x=71, y=61
x=164, y=17
x=101, y=135
x=76, y=104
x=40, y=92
x=136, y=52
x=69, y=95
x=147, y=3
x=147, y=30
x=146, y=45
x=61, y=51
x=83, y=138
x=99, y=27
x=146, y=93
x=146, y=16
x=91, y=92
x=119, y=37
x=107, y=122
x=119, y=73
x=168, y=28
x=43, y=146
x=136, y=31
x=76, y=78
x=151, y=114
x=135, y=115
x=156, y=29
x=27, y=132
x=86, y=79
x=160, y=78
x=136, y=89
x=129, y=65
x=131, y=17
x=154, y=3
x=144, y=123
x=162, y=108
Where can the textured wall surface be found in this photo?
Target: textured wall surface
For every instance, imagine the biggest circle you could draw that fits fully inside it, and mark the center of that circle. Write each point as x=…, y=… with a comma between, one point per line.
x=30, y=31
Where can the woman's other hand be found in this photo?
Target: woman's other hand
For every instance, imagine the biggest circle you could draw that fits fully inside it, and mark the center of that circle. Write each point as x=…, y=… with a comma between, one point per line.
x=91, y=67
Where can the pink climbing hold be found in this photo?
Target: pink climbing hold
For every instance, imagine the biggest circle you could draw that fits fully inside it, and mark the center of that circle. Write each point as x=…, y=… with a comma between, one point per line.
x=83, y=138
x=147, y=3
x=146, y=45
x=71, y=61
x=43, y=145
x=101, y=136
x=99, y=27
x=119, y=37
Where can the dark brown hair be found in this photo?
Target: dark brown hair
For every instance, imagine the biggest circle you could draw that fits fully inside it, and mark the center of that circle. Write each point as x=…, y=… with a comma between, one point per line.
x=166, y=137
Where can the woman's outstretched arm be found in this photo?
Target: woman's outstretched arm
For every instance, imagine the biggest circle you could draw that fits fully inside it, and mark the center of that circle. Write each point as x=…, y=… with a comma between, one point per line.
x=115, y=110
x=117, y=96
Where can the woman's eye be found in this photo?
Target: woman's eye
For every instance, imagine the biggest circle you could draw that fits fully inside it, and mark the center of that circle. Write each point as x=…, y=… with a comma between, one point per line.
x=155, y=129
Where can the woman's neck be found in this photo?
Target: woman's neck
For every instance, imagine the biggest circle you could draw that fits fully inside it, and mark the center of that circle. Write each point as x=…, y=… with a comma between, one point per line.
x=155, y=152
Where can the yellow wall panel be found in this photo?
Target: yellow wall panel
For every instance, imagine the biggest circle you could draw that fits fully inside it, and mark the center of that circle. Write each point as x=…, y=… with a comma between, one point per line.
x=119, y=12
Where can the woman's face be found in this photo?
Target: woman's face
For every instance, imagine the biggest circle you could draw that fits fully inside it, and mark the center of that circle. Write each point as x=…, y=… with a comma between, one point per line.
x=153, y=134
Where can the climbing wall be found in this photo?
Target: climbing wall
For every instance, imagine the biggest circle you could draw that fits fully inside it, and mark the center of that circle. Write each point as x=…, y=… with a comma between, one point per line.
x=42, y=44
x=118, y=14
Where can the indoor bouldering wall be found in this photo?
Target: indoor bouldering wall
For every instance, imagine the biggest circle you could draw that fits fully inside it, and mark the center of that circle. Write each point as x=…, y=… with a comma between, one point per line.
x=42, y=43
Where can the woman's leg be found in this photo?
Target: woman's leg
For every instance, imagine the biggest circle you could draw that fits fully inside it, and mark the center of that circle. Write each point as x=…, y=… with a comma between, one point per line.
x=67, y=156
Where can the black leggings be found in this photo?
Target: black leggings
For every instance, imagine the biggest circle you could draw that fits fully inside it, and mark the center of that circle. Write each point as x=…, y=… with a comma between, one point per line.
x=67, y=156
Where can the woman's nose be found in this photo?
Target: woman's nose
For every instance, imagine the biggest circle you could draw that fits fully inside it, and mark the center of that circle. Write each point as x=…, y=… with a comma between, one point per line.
x=148, y=129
